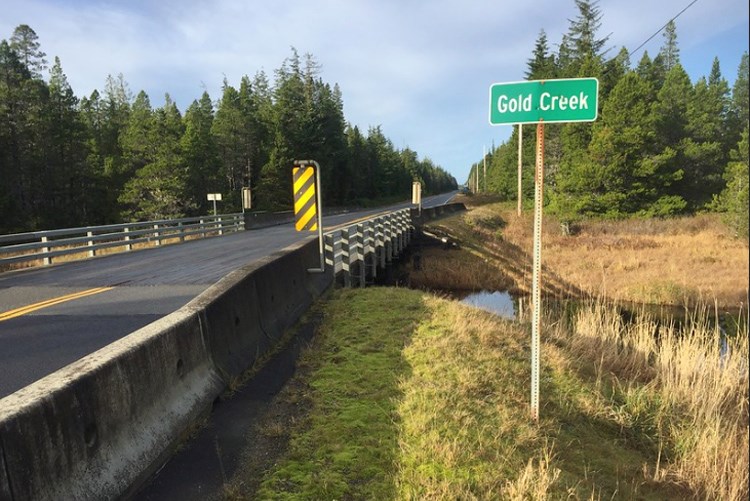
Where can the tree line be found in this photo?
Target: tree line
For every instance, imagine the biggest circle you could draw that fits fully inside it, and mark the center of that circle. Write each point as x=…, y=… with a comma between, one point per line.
x=661, y=145
x=111, y=157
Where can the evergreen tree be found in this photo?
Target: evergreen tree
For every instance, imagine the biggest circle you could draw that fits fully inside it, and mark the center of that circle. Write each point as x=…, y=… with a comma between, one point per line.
x=22, y=102
x=542, y=64
x=734, y=199
x=291, y=140
x=200, y=153
x=358, y=166
x=66, y=181
x=581, y=40
x=740, y=103
x=614, y=70
x=671, y=120
x=159, y=189
x=12, y=130
x=25, y=43
x=653, y=72
x=670, y=52
x=135, y=139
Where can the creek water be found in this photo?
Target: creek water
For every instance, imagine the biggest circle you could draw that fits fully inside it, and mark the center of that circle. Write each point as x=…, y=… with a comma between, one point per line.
x=506, y=305
x=500, y=303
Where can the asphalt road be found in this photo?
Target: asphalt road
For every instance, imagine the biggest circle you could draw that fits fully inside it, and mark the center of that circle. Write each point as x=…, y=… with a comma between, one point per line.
x=97, y=301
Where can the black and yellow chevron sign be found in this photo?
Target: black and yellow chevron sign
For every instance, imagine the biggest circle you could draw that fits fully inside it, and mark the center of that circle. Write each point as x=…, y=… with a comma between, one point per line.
x=305, y=201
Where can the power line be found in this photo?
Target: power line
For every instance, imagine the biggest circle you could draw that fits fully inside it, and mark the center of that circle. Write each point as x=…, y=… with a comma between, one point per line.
x=660, y=29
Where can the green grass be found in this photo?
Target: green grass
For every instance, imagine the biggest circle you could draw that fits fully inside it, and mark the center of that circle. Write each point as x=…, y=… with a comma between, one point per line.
x=417, y=397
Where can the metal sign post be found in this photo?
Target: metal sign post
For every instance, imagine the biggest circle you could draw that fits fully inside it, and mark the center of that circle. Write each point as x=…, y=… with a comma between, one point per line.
x=484, y=162
x=520, y=163
x=308, y=206
x=247, y=199
x=536, y=294
x=214, y=197
x=540, y=102
x=416, y=195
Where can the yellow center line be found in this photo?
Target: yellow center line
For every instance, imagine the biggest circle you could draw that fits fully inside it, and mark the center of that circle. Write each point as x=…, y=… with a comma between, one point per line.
x=23, y=310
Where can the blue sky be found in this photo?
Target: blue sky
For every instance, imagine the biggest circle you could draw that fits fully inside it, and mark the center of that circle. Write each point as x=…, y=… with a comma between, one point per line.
x=419, y=69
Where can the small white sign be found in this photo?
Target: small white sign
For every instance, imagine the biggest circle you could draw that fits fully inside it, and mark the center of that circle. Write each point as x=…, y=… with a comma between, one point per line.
x=214, y=196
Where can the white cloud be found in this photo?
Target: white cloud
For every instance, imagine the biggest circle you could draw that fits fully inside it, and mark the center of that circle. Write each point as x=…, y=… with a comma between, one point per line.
x=420, y=69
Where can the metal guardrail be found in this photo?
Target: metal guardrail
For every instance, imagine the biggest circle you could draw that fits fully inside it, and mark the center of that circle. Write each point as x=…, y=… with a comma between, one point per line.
x=46, y=245
x=356, y=251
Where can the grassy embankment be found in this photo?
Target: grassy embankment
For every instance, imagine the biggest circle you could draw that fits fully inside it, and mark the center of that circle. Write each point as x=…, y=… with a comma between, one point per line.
x=404, y=395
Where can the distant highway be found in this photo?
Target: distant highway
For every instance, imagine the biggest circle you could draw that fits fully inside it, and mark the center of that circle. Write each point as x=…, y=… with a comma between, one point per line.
x=52, y=316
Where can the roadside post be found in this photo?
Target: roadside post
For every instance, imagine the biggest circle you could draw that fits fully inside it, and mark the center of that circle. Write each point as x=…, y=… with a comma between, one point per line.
x=214, y=197
x=540, y=102
x=247, y=199
x=308, y=209
x=416, y=195
x=520, y=164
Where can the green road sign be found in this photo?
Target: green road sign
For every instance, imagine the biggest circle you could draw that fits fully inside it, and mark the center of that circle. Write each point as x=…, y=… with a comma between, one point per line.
x=562, y=100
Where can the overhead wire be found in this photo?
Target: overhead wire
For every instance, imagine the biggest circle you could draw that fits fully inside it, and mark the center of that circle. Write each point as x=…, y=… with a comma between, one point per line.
x=660, y=29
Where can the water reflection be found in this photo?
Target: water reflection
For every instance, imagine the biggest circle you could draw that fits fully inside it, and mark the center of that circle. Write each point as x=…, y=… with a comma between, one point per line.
x=498, y=302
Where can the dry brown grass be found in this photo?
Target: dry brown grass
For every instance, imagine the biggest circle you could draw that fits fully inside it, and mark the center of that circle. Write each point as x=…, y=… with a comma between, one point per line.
x=681, y=261
x=679, y=387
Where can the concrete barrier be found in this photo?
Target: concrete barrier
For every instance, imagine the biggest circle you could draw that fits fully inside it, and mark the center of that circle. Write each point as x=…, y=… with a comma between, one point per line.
x=247, y=312
x=100, y=426
x=257, y=220
x=435, y=212
x=96, y=427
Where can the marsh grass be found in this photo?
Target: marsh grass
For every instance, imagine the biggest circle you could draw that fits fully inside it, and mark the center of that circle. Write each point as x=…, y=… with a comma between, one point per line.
x=682, y=391
x=413, y=396
x=686, y=260
x=418, y=397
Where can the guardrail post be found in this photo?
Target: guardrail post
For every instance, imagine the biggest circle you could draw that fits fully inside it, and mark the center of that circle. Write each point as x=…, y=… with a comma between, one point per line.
x=47, y=260
x=203, y=234
x=399, y=234
x=328, y=249
x=380, y=242
x=90, y=243
x=128, y=247
x=180, y=231
x=157, y=240
x=388, y=231
x=218, y=220
x=407, y=226
x=346, y=253
x=361, y=255
x=338, y=264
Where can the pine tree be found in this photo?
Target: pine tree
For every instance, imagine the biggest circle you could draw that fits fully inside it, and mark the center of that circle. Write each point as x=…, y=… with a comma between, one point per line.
x=200, y=153
x=66, y=186
x=671, y=121
x=734, y=200
x=23, y=96
x=581, y=40
x=25, y=43
x=541, y=66
x=670, y=52
x=159, y=188
x=740, y=103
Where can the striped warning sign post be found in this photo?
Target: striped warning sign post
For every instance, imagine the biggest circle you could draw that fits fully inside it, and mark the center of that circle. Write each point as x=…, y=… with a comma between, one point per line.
x=307, y=204
x=305, y=201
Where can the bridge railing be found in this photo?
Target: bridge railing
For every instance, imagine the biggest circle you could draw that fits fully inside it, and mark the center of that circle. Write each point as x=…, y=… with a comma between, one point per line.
x=357, y=251
x=41, y=247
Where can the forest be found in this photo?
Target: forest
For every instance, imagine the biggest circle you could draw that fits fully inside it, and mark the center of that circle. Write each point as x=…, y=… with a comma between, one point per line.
x=111, y=157
x=661, y=145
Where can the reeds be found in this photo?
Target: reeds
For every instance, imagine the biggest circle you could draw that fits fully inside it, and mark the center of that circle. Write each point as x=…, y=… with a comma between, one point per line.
x=685, y=388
